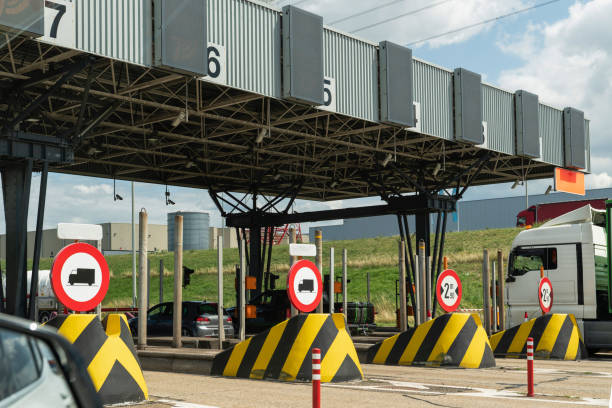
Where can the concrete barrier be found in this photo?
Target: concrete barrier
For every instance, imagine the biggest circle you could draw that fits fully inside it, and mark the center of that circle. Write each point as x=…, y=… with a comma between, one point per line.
x=555, y=336
x=108, y=351
x=454, y=339
x=284, y=352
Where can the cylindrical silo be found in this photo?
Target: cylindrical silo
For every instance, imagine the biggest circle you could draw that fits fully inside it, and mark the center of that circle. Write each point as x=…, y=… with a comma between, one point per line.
x=195, y=230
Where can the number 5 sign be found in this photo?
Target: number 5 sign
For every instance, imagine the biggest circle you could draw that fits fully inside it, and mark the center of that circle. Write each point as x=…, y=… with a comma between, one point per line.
x=448, y=290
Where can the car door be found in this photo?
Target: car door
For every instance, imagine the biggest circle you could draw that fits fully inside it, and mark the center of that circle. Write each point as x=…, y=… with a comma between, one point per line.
x=165, y=320
x=153, y=318
x=524, y=278
x=566, y=280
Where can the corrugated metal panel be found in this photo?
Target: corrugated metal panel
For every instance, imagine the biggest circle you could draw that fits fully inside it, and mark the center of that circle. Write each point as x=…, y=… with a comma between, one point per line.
x=251, y=34
x=471, y=215
x=119, y=29
x=498, y=112
x=587, y=134
x=551, y=132
x=433, y=89
x=353, y=64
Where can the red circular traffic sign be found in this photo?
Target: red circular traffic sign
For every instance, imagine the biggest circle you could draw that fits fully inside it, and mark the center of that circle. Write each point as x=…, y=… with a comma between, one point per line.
x=304, y=286
x=80, y=277
x=448, y=290
x=545, y=295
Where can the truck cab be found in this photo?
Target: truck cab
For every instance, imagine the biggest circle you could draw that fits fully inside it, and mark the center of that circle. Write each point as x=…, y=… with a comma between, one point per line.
x=572, y=251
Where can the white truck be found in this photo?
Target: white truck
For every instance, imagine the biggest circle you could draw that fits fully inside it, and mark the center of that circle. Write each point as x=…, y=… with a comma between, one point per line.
x=46, y=301
x=572, y=248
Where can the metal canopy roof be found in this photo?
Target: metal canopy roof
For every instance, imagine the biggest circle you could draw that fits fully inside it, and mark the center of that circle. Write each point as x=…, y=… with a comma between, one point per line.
x=127, y=131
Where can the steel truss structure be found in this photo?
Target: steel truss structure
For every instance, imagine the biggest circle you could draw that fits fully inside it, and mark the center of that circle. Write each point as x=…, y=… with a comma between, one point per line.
x=136, y=123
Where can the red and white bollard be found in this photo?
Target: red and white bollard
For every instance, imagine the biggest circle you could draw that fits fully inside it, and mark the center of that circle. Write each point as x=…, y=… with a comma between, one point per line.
x=316, y=378
x=530, y=367
x=526, y=317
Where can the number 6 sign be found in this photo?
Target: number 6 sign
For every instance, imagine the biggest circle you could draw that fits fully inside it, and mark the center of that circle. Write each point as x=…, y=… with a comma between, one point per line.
x=448, y=290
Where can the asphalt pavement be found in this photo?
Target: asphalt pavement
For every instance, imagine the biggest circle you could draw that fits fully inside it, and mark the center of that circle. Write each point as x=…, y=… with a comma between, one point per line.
x=558, y=384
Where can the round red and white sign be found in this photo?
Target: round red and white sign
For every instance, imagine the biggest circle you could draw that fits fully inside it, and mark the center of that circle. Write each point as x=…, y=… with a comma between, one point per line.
x=304, y=286
x=545, y=295
x=80, y=277
x=448, y=290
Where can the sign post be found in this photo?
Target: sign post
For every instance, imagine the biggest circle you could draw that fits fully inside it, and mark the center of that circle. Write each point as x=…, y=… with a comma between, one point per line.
x=545, y=295
x=304, y=286
x=448, y=291
x=80, y=277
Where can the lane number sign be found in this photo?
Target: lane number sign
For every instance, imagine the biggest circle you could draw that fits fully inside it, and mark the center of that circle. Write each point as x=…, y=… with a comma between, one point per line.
x=448, y=290
x=60, y=28
x=304, y=286
x=545, y=295
x=217, y=64
x=329, y=94
x=80, y=277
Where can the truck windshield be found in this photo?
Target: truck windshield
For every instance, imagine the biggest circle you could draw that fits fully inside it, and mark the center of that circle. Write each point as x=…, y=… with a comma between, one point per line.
x=523, y=260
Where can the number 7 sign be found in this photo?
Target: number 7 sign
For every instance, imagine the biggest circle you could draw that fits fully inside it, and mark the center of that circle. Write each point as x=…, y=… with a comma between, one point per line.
x=60, y=26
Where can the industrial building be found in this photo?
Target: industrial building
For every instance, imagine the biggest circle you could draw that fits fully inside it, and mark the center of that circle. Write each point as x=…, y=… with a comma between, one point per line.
x=470, y=215
x=117, y=239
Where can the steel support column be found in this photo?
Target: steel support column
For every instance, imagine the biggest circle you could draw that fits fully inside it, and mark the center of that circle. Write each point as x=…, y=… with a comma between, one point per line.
x=16, y=180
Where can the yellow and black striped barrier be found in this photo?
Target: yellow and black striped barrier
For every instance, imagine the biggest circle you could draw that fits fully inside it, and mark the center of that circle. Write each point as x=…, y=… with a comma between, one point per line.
x=555, y=336
x=108, y=351
x=284, y=352
x=454, y=339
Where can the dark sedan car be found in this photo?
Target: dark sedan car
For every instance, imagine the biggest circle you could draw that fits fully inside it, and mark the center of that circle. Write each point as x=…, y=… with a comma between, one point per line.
x=199, y=319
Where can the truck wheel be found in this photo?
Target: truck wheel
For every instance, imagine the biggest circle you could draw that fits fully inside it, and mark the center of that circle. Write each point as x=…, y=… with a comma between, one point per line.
x=43, y=317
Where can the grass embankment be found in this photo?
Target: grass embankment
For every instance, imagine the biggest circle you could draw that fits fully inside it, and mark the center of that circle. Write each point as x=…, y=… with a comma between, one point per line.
x=376, y=256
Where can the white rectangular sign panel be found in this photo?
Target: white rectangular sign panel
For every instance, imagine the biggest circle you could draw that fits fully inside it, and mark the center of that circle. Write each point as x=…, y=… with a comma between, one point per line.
x=60, y=24
x=329, y=94
x=302, y=250
x=217, y=64
x=81, y=232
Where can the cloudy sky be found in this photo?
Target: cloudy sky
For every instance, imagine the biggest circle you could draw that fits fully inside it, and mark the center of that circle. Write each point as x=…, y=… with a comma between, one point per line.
x=561, y=51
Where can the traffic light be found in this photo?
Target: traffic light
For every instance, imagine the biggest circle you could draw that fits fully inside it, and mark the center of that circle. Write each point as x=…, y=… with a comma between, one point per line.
x=187, y=275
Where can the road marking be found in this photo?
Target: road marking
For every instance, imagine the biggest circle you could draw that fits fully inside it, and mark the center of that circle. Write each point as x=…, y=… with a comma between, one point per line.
x=470, y=392
x=183, y=404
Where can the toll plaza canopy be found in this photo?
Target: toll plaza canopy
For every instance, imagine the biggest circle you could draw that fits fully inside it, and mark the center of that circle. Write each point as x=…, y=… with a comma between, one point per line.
x=234, y=96
x=237, y=95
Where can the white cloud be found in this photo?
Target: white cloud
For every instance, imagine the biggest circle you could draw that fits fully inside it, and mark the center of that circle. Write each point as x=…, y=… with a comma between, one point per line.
x=430, y=22
x=93, y=189
x=569, y=63
x=601, y=180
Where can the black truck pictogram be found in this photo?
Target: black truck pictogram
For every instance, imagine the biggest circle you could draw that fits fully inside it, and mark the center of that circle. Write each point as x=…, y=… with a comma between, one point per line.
x=306, y=285
x=82, y=275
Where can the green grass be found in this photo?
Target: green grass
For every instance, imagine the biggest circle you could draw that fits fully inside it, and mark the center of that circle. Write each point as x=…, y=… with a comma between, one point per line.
x=376, y=256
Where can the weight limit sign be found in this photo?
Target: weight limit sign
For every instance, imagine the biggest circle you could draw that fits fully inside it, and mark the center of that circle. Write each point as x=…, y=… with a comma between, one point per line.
x=545, y=295
x=448, y=290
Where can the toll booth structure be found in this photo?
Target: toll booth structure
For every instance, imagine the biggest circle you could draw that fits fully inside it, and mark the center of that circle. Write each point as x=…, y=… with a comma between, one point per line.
x=259, y=106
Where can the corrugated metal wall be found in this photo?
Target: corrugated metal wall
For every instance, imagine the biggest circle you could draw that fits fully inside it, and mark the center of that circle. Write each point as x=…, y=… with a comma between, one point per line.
x=472, y=215
x=118, y=29
x=251, y=34
x=587, y=135
x=498, y=112
x=433, y=89
x=551, y=133
x=354, y=66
